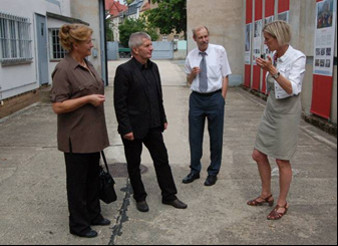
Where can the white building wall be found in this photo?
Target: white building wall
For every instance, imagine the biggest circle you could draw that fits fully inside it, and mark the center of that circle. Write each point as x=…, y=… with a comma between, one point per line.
x=224, y=19
x=52, y=23
x=91, y=15
x=20, y=78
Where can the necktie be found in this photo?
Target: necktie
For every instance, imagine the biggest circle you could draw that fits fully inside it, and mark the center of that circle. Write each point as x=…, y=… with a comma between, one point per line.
x=203, y=74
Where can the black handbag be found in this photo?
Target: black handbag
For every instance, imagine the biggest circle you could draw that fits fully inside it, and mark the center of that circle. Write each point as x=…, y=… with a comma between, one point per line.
x=107, y=192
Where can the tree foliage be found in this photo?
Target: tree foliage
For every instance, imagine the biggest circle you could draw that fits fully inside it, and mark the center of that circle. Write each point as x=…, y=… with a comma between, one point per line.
x=109, y=31
x=169, y=16
x=130, y=26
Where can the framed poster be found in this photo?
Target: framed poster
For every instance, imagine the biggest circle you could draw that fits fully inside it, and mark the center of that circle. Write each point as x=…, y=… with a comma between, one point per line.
x=324, y=43
x=248, y=28
x=324, y=37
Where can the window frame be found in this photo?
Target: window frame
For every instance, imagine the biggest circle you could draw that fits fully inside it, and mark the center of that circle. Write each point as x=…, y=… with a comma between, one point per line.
x=56, y=51
x=15, y=40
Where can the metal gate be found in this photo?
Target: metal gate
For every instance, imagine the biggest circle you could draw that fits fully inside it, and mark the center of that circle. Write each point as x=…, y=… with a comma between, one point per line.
x=112, y=50
x=163, y=50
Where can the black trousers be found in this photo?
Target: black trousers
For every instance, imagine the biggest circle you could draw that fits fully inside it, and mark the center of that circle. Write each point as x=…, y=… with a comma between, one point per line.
x=83, y=191
x=155, y=144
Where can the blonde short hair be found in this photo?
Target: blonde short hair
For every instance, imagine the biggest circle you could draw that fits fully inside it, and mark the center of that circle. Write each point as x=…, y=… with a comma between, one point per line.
x=279, y=30
x=73, y=33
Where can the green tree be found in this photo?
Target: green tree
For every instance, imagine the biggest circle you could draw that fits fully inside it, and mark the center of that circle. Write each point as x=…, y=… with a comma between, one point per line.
x=169, y=16
x=109, y=31
x=130, y=26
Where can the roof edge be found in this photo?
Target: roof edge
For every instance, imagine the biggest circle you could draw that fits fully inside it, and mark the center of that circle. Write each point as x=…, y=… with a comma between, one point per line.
x=66, y=18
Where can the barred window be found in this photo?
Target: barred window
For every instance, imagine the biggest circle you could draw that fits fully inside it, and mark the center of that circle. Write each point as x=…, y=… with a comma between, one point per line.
x=15, y=39
x=56, y=50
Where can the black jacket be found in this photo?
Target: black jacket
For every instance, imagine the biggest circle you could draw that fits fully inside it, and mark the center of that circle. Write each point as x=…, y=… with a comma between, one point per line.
x=131, y=100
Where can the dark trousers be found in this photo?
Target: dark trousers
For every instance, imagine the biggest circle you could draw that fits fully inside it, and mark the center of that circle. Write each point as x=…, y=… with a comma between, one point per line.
x=83, y=190
x=210, y=107
x=155, y=144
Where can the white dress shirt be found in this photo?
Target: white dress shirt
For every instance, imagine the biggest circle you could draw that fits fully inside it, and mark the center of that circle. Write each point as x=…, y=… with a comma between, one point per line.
x=217, y=67
x=292, y=66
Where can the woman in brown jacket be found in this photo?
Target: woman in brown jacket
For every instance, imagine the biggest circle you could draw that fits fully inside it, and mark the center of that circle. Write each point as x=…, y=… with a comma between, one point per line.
x=77, y=97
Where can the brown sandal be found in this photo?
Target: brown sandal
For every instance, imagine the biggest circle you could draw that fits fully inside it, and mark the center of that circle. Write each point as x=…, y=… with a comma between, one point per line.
x=255, y=202
x=274, y=215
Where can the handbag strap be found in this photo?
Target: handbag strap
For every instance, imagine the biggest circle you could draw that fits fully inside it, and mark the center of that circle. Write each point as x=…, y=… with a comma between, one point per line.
x=105, y=162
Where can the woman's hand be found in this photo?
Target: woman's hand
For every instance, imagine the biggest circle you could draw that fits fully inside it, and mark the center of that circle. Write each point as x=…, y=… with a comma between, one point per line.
x=74, y=104
x=265, y=64
x=96, y=99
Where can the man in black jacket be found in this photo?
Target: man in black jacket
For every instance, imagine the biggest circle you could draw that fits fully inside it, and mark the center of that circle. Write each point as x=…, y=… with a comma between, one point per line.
x=138, y=102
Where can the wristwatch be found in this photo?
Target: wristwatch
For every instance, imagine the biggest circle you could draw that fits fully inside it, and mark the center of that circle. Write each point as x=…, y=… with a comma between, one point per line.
x=276, y=75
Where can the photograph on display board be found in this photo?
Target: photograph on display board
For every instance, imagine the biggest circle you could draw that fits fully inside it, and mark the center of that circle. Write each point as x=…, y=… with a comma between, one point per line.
x=284, y=16
x=327, y=63
x=328, y=51
x=247, y=37
x=257, y=40
x=258, y=28
x=268, y=20
x=317, y=63
x=325, y=14
x=248, y=43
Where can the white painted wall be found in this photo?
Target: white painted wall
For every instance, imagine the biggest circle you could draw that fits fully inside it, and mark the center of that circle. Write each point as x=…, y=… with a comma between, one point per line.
x=225, y=20
x=88, y=11
x=18, y=79
x=52, y=23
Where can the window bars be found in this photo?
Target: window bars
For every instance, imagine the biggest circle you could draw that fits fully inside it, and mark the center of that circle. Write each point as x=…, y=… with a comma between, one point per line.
x=15, y=39
x=56, y=50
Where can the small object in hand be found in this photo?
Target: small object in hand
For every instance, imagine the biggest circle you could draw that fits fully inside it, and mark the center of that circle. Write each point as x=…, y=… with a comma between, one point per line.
x=263, y=56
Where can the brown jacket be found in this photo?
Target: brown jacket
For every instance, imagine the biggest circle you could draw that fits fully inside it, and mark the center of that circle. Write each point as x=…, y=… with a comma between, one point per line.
x=83, y=130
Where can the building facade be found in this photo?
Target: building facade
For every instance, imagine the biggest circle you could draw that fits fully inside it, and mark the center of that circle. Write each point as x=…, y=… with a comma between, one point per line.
x=237, y=26
x=30, y=49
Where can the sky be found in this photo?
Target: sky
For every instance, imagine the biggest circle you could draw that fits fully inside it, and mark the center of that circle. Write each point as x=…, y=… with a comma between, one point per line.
x=122, y=1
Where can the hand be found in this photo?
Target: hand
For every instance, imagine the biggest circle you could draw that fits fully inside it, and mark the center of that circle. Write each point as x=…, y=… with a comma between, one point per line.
x=96, y=99
x=129, y=136
x=195, y=71
x=265, y=64
x=165, y=126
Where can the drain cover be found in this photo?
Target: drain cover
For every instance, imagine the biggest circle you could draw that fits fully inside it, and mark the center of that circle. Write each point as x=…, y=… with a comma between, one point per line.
x=119, y=170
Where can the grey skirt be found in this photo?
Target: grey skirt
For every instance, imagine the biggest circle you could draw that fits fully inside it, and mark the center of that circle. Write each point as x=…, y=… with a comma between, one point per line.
x=277, y=134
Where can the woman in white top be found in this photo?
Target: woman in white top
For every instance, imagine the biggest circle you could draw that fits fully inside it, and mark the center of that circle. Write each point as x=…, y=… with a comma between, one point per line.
x=278, y=131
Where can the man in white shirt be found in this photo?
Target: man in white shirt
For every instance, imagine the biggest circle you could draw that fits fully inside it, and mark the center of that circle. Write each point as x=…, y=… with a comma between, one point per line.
x=207, y=68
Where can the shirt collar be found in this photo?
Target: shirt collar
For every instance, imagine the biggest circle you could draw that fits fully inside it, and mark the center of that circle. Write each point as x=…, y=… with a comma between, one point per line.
x=286, y=54
x=207, y=51
x=141, y=66
x=73, y=63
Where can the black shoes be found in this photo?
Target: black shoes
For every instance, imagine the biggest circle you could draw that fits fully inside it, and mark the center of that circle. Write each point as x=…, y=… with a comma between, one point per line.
x=176, y=204
x=190, y=178
x=90, y=234
x=103, y=222
x=142, y=206
x=211, y=180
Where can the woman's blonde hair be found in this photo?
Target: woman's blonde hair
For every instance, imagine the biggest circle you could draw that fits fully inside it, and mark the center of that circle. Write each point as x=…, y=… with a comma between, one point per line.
x=73, y=33
x=279, y=30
